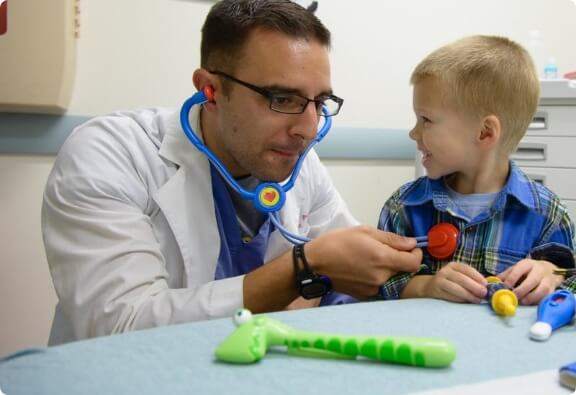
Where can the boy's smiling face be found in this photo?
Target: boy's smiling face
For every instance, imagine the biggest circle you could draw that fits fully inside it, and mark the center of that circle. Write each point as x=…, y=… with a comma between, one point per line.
x=446, y=136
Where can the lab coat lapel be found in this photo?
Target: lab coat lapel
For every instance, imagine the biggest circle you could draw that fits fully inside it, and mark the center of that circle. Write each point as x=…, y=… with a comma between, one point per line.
x=188, y=205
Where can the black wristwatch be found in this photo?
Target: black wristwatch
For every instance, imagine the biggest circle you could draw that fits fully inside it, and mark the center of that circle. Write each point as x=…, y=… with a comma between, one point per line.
x=310, y=285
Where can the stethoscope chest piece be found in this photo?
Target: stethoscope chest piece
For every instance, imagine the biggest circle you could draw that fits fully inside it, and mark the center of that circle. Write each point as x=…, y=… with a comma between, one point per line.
x=269, y=197
x=442, y=240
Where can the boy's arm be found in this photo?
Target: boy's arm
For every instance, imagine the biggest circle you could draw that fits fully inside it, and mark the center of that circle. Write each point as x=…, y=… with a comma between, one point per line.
x=560, y=257
x=417, y=287
x=553, y=250
x=396, y=286
x=569, y=283
x=558, y=242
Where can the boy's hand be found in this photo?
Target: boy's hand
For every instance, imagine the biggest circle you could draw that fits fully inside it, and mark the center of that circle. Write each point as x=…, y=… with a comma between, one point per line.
x=531, y=280
x=457, y=282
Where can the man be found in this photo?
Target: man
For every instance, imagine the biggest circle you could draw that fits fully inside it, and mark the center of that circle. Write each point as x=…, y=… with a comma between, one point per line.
x=141, y=231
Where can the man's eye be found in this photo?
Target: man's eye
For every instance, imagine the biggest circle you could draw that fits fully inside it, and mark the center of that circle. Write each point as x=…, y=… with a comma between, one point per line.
x=283, y=100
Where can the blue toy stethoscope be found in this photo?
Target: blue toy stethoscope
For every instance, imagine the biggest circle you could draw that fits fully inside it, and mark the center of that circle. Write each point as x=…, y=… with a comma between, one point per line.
x=268, y=197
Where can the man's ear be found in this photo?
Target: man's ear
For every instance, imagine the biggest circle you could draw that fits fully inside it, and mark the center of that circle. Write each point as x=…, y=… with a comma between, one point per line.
x=205, y=81
x=491, y=131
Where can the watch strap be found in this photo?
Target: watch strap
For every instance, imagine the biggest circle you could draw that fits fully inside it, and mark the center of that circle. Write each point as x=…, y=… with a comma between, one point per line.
x=310, y=284
x=300, y=256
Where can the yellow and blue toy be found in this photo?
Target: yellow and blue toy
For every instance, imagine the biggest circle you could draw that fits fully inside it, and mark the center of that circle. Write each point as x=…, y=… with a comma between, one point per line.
x=501, y=298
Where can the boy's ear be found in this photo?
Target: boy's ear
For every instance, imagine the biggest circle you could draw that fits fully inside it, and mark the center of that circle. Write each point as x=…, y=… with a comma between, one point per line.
x=491, y=131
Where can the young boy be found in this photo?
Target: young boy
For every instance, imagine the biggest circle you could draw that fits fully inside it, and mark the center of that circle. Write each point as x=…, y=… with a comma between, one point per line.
x=473, y=101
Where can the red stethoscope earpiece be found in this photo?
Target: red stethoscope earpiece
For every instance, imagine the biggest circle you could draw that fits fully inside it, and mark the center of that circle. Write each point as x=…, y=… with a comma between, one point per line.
x=441, y=240
x=209, y=92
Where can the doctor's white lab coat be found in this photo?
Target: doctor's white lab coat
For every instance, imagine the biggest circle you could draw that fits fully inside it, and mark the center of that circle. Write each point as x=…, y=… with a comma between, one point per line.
x=130, y=231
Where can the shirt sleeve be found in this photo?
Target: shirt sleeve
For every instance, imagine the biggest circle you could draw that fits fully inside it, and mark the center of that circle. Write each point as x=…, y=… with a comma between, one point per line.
x=393, y=219
x=105, y=257
x=569, y=284
x=557, y=242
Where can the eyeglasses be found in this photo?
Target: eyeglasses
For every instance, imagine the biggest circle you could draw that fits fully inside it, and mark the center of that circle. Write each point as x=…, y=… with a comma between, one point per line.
x=290, y=103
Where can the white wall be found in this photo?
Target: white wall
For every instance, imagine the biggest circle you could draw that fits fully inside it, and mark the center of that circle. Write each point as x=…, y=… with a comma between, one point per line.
x=378, y=43
x=365, y=185
x=136, y=53
x=143, y=53
x=27, y=298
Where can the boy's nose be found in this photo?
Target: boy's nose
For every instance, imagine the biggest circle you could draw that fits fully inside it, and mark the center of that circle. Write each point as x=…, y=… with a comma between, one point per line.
x=414, y=134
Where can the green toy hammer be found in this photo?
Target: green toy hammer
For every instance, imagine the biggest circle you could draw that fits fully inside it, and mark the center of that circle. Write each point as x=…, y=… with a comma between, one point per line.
x=254, y=335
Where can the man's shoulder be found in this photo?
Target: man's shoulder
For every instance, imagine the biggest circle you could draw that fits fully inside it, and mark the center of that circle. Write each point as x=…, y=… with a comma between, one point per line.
x=119, y=140
x=311, y=166
x=151, y=123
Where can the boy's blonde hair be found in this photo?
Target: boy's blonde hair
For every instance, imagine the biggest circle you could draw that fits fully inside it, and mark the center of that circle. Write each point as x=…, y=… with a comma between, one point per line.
x=487, y=75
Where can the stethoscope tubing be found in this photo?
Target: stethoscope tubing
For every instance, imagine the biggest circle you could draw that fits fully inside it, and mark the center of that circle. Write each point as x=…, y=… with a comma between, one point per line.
x=199, y=98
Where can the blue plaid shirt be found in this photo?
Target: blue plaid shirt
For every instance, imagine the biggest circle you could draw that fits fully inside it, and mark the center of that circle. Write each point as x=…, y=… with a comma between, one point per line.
x=525, y=220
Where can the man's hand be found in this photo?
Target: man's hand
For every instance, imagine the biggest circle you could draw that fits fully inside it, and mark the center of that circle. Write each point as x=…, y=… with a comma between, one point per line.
x=360, y=259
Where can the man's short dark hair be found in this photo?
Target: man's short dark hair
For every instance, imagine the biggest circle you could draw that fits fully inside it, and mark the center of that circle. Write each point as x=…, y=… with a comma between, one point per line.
x=230, y=23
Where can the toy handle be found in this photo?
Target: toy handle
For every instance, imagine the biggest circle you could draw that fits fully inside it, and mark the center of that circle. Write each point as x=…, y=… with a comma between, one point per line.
x=554, y=311
x=557, y=308
x=413, y=351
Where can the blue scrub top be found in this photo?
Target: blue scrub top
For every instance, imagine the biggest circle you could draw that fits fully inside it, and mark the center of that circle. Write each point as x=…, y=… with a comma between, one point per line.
x=238, y=257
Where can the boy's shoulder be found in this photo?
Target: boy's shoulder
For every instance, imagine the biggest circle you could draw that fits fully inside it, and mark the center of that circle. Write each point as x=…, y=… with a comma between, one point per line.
x=544, y=198
x=413, y=191
x=547, y=197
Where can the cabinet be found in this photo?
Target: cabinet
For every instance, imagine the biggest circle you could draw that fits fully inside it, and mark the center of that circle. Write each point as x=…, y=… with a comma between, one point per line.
x=37, y=54
x=547, y=153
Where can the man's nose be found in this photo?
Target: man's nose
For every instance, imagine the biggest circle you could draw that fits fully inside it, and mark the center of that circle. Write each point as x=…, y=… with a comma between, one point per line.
x=307, y=125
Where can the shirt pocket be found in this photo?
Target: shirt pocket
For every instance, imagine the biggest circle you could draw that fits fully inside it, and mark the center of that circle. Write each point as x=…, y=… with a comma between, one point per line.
x=496, y=260
x=303, y=223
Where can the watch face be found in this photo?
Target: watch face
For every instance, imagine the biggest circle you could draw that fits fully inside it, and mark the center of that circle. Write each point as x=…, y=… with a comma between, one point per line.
x=315, y=287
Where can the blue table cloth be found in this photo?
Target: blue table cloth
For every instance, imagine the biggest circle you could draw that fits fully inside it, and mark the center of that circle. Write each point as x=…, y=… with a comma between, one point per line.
x=180, y=359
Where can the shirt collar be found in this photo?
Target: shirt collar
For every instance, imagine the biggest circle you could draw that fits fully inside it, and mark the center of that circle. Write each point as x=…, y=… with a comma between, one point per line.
x=425, y=189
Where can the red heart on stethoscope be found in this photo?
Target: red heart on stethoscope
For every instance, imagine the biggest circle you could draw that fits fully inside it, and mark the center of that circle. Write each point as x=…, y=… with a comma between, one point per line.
x=270, y=196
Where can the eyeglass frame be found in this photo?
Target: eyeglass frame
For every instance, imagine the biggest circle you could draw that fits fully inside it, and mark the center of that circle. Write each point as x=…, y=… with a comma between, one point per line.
x=268, y=94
